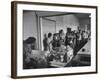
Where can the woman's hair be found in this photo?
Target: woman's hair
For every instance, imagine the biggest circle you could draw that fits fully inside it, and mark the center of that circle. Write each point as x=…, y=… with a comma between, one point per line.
x=60, y=31
x=30, y=40
x=49, y=35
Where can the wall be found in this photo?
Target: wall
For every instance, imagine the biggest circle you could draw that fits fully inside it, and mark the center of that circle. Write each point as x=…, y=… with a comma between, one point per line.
x=71, y=21
x=85, y=24
x=59, y=23
x=5, y=41
x=29, y=25
x=48, y=26
x=66, y=21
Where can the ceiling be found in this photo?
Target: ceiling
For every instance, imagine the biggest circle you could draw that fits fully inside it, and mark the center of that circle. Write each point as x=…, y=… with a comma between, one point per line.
x=52, y=14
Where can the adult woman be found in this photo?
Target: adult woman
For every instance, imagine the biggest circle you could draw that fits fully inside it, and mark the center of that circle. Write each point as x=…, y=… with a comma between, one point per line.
x=28, y=45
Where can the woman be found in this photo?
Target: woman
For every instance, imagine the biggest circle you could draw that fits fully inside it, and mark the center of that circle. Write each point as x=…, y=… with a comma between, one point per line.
x=61, y=37
x=45, y=43
x=28, y=45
